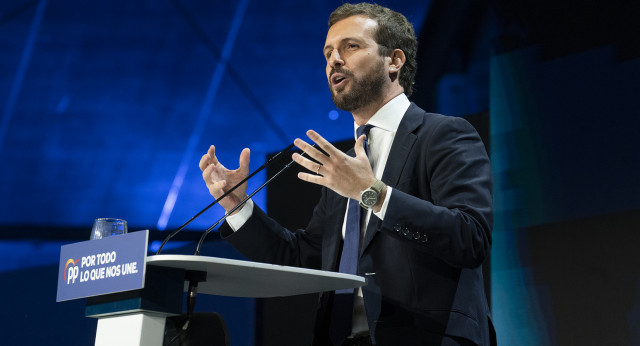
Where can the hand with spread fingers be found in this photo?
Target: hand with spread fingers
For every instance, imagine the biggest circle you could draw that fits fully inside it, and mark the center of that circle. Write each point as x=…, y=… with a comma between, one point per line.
x=219, y=179
x=339, y=172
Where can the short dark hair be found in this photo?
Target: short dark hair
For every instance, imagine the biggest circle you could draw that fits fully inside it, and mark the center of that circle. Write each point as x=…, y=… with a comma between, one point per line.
x=394, y=32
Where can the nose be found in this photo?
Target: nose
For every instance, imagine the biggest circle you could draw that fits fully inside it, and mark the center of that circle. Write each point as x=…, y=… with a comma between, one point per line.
x=335, y=59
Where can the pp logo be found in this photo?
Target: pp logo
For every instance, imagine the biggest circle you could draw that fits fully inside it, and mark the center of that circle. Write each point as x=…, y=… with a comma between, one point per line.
x=71, y=272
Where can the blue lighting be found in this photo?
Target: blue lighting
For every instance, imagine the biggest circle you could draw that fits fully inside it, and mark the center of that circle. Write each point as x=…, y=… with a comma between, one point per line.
x=203, y=116
x=333, y=115
x=155, y=245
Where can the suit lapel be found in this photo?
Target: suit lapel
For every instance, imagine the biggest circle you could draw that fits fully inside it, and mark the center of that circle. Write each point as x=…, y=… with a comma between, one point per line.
x=400, y=149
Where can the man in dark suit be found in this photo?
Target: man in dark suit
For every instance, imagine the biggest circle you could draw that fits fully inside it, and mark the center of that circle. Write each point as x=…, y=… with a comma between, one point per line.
x=424, y=184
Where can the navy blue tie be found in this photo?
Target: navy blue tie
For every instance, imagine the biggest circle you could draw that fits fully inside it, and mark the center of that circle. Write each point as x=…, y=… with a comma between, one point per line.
x=350, y=249
x=343, y=300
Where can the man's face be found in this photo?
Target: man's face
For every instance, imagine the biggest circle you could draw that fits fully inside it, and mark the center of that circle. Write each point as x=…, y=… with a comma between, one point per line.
x=356, y=72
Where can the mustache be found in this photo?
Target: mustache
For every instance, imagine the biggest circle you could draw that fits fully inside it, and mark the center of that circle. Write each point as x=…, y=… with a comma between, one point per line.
x=340, y=70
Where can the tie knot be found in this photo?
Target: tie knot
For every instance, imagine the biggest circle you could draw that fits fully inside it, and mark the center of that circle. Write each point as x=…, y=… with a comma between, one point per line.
x=363, y=130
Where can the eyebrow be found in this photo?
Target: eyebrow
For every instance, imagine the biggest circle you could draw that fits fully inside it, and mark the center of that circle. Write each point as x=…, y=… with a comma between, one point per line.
x=350, y=38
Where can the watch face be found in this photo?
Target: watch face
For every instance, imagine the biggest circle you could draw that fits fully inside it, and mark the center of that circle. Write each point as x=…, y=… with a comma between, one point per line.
x=369, y=198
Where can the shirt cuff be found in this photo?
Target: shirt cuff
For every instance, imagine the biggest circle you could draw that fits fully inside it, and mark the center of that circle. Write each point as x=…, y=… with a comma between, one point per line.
x=385, y=204
x=237, y=220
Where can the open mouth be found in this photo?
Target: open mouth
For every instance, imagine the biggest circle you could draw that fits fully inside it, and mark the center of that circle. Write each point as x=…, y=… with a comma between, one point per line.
x=338, y=80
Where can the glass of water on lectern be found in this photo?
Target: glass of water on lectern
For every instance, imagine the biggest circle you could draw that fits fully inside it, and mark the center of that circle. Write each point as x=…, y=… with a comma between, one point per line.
x=106, y=227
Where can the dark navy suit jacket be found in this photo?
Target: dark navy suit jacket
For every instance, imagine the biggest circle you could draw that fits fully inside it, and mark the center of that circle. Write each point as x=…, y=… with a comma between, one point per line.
x=423, y=262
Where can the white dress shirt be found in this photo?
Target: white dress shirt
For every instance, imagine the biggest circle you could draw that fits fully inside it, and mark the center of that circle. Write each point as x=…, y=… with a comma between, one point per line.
x=385, y=121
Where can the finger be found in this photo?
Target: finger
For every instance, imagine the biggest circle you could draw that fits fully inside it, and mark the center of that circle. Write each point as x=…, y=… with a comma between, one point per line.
x=213, y=160
x=322, y=143
x=203, y=162
x=217, y=189
x=306, y=163
x=310, y=150
x=206, y=174
x=208, y=158
x=214, y=172
x=311, y=178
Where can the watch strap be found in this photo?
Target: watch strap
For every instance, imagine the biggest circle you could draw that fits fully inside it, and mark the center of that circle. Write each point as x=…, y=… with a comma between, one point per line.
x=377, y=188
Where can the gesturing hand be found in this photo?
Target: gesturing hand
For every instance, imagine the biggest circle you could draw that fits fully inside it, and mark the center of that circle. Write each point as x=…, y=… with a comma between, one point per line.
x=219, y=179
x=339, y=172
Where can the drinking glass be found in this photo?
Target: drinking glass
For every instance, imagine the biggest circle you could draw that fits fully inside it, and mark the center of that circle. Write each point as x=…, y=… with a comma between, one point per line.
x=106, y=227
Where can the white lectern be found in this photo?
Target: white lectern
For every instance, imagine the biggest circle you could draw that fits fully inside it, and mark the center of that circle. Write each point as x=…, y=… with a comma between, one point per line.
x=138, y=317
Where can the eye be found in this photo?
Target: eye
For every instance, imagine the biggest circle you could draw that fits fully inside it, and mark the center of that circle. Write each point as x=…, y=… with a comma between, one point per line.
x=327, y=54
x=352, y=46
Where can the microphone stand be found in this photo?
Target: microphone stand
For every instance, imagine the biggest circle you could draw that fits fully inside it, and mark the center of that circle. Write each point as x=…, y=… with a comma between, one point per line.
x=193, y=277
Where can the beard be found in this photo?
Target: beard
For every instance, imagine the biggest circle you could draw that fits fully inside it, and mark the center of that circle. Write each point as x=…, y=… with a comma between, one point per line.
x=364, y=90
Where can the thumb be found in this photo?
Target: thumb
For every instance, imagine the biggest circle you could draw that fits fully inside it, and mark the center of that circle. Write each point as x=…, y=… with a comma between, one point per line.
x=244, y=159
x=359, y=147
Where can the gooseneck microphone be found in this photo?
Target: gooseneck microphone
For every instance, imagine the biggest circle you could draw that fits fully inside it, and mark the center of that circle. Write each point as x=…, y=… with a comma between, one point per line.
x=239, y=205
x=223, y=196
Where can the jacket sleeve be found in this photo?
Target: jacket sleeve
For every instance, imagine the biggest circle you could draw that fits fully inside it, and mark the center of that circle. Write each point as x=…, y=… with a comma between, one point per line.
x=262, y=239
x=443, y=203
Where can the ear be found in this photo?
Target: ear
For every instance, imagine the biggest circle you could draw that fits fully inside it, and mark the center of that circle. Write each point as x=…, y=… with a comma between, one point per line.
x=397, y=61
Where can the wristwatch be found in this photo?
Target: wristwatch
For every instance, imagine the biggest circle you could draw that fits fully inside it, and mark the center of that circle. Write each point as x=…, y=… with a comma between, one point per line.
x=370, y=196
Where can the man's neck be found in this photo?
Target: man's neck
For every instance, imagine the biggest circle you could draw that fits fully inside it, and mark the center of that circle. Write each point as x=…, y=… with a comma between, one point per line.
x=362, y=115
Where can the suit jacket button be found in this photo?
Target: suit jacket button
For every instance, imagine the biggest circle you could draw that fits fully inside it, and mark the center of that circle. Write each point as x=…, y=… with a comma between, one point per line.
x=405, y=231
x=397, y=228
x=416, y=235
x=425, y=238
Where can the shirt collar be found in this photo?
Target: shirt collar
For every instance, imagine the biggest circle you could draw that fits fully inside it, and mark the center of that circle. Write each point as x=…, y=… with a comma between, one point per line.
x=389, y=116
